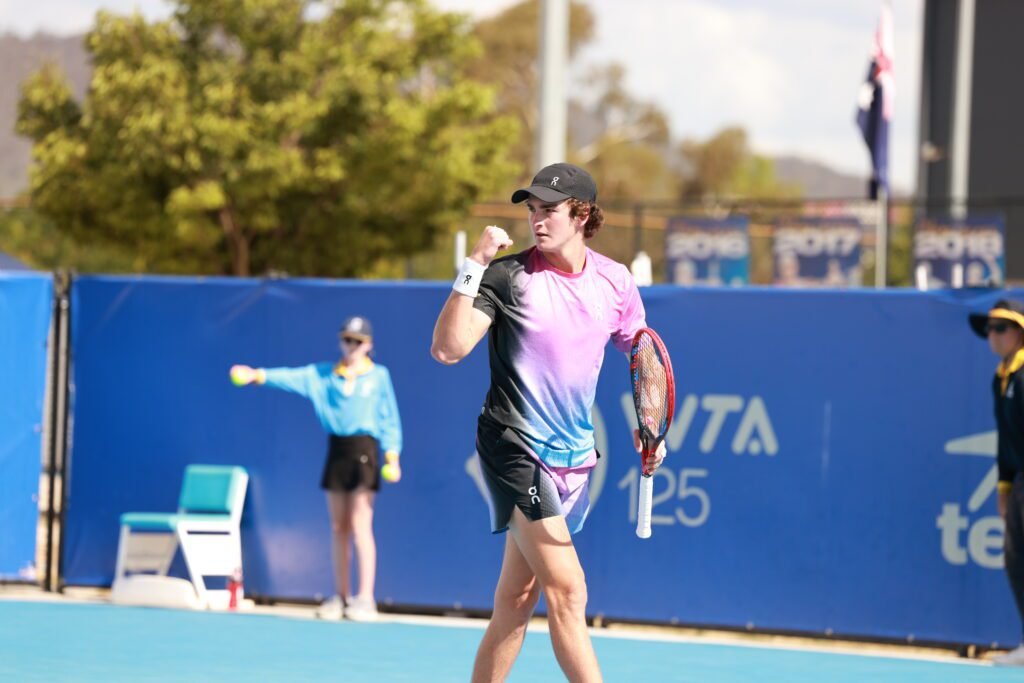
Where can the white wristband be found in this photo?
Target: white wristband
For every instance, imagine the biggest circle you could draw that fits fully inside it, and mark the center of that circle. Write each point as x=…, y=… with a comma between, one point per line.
x=468, y=280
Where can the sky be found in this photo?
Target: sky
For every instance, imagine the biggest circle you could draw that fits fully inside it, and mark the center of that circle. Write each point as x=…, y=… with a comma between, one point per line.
x=786, y=70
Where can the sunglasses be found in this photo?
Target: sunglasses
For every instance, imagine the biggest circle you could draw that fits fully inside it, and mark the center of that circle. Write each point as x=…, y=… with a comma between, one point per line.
x=354, y=341
x=998, y=328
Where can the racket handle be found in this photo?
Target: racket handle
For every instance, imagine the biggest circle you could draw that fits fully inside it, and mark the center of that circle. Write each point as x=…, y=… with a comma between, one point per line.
x=643, y=513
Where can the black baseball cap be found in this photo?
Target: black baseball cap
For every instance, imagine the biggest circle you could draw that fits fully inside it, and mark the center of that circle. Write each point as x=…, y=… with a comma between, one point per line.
x=557, y=182
x=357, y=327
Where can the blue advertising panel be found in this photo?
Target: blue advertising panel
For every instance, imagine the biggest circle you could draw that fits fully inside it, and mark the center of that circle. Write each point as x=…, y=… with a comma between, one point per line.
x=26, y=305
x=708, y=251
x=821, y=251
x=960, y=252
x=827, y=471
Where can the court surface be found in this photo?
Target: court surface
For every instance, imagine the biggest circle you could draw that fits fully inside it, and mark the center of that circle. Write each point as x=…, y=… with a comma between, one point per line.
x=73, y=641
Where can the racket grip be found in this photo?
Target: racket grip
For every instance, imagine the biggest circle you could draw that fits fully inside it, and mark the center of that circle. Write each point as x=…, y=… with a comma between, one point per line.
x=643, y=513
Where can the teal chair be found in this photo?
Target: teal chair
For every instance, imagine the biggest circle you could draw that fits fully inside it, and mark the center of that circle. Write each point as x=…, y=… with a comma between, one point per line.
x=205, y=527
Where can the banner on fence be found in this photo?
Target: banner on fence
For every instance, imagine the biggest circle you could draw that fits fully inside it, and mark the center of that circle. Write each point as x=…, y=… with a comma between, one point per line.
x=818, y=251
x=708, y=251
x=960, y=252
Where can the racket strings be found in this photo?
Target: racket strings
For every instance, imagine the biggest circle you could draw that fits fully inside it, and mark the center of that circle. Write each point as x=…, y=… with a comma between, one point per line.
x=651, y=387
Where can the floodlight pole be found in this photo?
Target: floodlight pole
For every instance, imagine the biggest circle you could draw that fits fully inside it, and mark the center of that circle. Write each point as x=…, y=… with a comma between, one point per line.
x=554, y=58
x=959, y=172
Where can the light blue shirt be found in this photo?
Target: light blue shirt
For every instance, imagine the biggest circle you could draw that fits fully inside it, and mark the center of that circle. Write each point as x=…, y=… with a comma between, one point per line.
x=360, y=405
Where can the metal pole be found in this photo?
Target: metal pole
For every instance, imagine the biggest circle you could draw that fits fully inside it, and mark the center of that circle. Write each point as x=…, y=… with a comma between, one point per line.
x=56, y=468
x=959, y=175
x=554, y=57
x=882, y=238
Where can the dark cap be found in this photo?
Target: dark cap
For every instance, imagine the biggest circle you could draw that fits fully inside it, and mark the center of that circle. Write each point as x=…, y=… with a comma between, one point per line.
x=358, y=327
x=557, y=182
x=1004, y=309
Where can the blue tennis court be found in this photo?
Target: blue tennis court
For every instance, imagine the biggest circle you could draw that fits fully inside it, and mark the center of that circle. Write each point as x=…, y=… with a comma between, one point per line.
x=64, y=641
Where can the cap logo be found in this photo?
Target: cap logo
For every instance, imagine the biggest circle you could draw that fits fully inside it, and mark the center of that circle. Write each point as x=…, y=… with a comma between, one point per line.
x=554, y=181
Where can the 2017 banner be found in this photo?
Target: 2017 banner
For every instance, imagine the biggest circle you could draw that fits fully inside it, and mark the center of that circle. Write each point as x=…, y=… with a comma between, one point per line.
x=708, y=251
x=959, y=252
x=820, y=251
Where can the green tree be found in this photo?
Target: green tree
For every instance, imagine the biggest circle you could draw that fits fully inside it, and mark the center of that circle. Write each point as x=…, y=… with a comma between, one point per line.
x=725, y=165
x=241, y=136
x=36, y=242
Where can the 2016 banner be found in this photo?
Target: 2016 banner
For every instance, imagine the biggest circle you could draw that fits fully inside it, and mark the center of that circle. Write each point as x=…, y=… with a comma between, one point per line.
x=959, y=252
x=818, y=252
x=708, y=251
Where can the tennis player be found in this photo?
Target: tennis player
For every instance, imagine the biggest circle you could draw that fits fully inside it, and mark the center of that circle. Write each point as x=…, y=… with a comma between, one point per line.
x=551, y=310
x=355, y=403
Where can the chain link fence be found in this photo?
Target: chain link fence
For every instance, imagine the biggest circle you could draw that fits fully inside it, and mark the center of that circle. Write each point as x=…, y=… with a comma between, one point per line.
x=633, y=227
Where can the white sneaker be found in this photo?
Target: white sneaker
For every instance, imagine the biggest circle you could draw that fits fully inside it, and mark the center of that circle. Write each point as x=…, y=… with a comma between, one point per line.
x=1014, y=657
x=361, y=609
x=332, y=608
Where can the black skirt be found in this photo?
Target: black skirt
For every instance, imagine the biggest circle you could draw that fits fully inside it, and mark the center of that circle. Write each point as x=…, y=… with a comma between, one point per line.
x=352, y=462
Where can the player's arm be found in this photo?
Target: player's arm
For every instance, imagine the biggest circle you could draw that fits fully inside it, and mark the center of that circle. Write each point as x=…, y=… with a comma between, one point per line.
x=460, y=326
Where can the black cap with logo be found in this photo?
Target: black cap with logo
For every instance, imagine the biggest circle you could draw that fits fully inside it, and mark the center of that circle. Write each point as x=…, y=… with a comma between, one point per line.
x=557, y=182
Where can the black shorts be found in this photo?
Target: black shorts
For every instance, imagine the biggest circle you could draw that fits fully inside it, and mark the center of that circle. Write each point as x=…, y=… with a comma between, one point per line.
x=514, y=477
x=352, y=462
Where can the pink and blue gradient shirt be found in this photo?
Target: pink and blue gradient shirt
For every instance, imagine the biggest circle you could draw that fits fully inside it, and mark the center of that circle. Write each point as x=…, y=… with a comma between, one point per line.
x=547, y=345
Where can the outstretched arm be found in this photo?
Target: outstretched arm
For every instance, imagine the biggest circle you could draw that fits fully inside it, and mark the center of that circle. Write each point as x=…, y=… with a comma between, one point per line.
x=460, y=326
x=296, y=380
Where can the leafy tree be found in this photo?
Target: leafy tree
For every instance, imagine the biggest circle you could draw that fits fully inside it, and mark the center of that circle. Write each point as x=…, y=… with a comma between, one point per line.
x=242, y=136
x=36, y=242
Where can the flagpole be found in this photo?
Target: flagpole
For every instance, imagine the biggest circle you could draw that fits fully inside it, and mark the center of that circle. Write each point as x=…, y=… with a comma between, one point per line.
x=881, y=237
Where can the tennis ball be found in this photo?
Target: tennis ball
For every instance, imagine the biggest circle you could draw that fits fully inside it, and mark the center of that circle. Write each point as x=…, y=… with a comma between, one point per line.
x=391, y=472
x=239, y=376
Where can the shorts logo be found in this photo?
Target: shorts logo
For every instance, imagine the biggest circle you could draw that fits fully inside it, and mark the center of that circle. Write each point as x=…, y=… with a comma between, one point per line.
x=534, y=498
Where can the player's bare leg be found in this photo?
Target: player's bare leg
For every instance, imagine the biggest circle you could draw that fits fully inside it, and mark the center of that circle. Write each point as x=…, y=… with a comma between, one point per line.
x=515, y=598
x=547, y=547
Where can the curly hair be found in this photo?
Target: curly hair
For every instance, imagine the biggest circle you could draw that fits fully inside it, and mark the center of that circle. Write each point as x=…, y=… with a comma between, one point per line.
x=595, y=217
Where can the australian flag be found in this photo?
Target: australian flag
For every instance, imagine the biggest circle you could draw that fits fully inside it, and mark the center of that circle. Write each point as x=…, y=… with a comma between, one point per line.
x=875, y=103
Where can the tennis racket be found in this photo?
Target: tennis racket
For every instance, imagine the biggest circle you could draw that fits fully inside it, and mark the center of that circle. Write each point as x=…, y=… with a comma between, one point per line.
x=654, y=397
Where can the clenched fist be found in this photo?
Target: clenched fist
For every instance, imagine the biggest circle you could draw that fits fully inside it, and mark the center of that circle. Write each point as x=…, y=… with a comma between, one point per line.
x=493, y=240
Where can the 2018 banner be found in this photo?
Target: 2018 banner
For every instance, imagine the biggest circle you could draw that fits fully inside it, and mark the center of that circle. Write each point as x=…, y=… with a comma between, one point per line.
x=820, y=251
x=708, y=251
x=959, y=252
